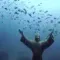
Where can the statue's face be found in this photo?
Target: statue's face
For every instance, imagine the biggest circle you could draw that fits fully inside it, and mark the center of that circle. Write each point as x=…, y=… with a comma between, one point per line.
x=37, y=38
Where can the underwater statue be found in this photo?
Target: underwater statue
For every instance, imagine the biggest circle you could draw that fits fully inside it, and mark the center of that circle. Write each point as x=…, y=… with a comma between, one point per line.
x=37, y=47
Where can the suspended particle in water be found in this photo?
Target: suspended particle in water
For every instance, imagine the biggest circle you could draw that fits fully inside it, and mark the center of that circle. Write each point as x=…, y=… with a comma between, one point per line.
x=59, y=32
x=55, y=25
x=50, y=29
x=47, y=22
x=51, y=21
x=40, y=10
x=2, y=15
x=9, y=12
x=18, y=22
x=28, y=21
x=14, y=18
x=6, y=9
x=33, y=12
x=47, y=18
x=2, y=6
x=38, y=17
x=45, y=11
x=33, y=20
x=30, y=26
x=32, y=6
x=58, y=22
x=20, y=10
x=38, y=4
x=2, y=22
x=38, y=29
x=15, y=7
x=15, y=0
x=4, y=2
x=49, y=14
x=44, y=31
x=55, y=18
x=18, y=0
x=24, y=28
x=9, y=9
x=16, y=13
x=25, y=11
x=30, y=15
x=39, y=21
x=37, y=24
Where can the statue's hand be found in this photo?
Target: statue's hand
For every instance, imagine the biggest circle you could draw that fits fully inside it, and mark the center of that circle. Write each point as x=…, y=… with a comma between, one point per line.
x=51, y=35
x=20, y=32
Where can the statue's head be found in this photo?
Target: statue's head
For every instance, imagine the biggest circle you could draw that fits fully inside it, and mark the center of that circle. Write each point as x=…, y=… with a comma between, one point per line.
x=37, y=37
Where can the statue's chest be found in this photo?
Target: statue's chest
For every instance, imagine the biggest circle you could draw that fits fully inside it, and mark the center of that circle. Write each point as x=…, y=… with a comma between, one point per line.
x=37, y=49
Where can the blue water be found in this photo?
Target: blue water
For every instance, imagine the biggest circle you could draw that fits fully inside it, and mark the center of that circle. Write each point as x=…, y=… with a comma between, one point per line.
x=31, y=16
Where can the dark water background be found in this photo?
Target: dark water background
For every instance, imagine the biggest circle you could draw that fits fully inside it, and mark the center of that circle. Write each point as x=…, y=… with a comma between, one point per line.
x=30, y=16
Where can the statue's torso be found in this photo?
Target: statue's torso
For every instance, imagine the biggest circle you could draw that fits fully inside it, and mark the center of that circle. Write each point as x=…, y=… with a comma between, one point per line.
x=37, y=51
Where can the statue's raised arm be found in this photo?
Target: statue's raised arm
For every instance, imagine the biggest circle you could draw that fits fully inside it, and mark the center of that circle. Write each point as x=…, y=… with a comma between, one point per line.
x=48, y=42
x=23, y=39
